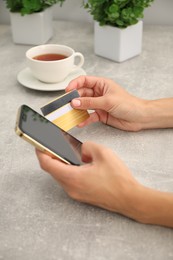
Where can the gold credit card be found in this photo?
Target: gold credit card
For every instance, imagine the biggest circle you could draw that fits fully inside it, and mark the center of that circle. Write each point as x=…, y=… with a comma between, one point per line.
x=61, y=113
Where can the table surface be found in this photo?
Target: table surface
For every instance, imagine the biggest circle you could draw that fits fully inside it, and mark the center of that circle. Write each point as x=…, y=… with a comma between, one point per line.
x=37, y=219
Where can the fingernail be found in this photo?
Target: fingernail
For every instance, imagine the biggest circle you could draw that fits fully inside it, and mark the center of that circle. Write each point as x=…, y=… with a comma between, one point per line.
x=76, y=102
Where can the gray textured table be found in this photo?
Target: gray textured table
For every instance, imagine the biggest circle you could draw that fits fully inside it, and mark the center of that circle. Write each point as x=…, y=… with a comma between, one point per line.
x=38, y=220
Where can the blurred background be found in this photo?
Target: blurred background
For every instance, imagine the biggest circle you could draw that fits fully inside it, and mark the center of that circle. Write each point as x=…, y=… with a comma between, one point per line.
x=160, y=13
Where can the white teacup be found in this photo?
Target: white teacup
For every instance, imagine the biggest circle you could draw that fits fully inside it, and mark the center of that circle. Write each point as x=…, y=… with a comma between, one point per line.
x=52, y=71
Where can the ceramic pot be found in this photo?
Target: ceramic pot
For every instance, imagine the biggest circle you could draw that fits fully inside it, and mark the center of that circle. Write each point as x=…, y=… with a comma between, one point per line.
x=118, y=44
x=32, y=29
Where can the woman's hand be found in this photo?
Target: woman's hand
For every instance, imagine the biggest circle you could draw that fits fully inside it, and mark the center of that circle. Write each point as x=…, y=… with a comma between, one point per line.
x=112, y=104
x=104, y=181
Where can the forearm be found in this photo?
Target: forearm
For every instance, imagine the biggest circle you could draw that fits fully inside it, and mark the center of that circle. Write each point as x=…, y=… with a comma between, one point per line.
x=153, y=207
x=158, y=113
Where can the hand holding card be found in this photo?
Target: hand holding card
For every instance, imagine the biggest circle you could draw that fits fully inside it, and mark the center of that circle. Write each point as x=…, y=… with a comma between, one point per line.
x=60, y=112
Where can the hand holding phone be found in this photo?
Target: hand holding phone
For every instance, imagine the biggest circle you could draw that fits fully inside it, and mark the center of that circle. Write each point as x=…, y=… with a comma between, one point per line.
x=47, y=137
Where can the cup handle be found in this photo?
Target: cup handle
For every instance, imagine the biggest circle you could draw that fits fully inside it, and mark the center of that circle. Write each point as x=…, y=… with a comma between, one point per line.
x=81, y=59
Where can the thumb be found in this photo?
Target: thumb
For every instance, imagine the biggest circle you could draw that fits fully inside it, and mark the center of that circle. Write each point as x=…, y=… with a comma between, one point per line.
x=92, y=152
x=89, y=103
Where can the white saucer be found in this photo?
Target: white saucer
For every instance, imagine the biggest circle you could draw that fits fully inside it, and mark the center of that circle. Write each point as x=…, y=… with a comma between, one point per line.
x=26, y=78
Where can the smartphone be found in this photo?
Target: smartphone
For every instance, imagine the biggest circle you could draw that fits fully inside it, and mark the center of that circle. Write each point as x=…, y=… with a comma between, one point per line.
x=47, y=137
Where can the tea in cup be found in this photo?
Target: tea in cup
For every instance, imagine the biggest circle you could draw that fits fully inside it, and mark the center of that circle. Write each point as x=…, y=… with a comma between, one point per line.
x=52, y=63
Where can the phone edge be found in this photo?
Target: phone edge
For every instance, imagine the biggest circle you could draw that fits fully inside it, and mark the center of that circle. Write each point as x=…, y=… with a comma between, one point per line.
x=33, y=142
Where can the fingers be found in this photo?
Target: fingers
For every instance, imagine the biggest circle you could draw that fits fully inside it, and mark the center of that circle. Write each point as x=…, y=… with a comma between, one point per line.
x=56, y=168
x=85, y=81
x=86, y=92
x=62, y=171
x=92, y=152
x=90, y=103
x=92, y=91
x=80, y=82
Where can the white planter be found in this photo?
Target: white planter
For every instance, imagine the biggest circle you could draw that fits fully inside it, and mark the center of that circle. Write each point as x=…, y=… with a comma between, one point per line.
x=118, y=44
x=33, y=28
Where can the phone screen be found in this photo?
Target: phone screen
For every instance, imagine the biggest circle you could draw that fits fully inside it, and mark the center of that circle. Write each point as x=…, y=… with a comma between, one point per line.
x=50, y=136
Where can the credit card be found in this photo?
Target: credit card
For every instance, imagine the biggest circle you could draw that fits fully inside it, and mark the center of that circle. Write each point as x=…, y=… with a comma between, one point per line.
x=61, y=113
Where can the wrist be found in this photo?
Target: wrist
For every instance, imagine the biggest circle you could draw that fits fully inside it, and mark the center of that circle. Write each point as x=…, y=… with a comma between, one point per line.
x=149, y=206
x=157, y=114
x=139, y=204
x=135, y=203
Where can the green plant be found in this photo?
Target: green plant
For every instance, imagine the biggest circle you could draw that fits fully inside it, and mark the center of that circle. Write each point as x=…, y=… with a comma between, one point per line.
x=30, y=6
x=118, y=13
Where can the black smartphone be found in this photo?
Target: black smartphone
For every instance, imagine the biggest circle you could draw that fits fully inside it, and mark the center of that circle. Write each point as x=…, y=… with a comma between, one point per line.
x=47, y=137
